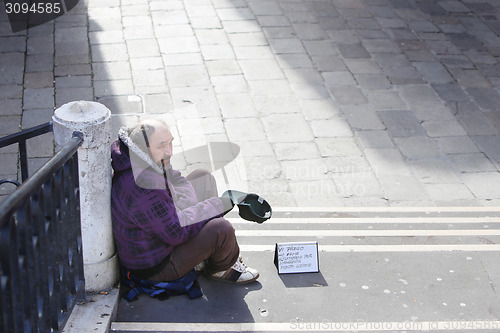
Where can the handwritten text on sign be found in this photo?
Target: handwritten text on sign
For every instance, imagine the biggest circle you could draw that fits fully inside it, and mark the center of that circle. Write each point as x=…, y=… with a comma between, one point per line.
x=297, y=257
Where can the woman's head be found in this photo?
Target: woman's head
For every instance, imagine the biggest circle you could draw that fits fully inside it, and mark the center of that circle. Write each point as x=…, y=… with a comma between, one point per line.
x=154, y=137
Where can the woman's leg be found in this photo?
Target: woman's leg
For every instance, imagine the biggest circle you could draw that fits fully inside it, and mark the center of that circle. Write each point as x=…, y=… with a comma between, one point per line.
x=204, y=184
x=216, y=243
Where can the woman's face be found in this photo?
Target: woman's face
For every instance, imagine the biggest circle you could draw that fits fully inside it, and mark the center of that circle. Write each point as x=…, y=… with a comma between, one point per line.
x=160, y=145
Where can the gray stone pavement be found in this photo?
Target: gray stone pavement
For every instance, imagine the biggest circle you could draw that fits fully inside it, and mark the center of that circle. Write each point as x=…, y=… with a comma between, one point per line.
x=334, y=103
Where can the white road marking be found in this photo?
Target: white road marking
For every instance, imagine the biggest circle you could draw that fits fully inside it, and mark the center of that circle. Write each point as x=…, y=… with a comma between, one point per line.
x=293, y=326
x=367, y=233
x=385, y=209
x=388, y=248
x=376, y=220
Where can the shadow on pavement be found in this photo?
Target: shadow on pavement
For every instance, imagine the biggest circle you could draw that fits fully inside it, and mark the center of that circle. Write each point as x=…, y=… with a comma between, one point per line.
x=303, y=280
x=221, y=303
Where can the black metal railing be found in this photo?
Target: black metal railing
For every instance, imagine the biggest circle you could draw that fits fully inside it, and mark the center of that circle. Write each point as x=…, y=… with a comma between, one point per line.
x=20, y=138
x=41, y=260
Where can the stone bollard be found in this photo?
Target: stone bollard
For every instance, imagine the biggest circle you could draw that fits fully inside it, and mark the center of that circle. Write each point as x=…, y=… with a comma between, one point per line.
x=94, y=163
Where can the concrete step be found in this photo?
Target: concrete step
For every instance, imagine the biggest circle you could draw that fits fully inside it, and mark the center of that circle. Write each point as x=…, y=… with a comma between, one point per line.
x=377, y=229
x=381, y=269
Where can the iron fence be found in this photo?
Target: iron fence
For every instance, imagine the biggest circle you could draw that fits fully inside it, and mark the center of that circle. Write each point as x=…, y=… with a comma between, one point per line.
x=20, y=138
x=41, y=260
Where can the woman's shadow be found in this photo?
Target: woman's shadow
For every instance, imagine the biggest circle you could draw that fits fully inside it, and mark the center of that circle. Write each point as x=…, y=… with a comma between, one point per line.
x=220, y=303
x=224, y=303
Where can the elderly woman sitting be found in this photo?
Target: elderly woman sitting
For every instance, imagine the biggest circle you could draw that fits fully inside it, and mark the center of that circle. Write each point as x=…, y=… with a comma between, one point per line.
x=165, y=224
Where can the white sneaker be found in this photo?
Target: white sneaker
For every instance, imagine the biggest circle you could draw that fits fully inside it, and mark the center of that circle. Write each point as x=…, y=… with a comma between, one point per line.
x=201, y=267
x=239, y=273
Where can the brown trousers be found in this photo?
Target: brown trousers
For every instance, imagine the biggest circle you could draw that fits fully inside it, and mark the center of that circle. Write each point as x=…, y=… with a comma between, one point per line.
x=216, y=242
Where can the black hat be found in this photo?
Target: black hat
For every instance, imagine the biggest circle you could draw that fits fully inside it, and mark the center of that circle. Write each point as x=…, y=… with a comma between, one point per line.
x=254, y=208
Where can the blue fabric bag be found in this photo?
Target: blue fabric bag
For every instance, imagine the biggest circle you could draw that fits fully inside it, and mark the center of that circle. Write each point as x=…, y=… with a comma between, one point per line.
x=161, y=290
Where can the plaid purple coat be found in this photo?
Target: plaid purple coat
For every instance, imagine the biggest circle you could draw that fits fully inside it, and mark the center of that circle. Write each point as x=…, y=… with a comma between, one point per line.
x=146, y=223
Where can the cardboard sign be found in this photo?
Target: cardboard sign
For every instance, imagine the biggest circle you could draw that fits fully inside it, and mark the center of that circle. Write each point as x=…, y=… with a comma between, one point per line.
x=299, y=257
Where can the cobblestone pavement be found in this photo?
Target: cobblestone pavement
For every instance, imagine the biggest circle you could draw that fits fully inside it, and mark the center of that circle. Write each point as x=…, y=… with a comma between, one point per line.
x=333, y=103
